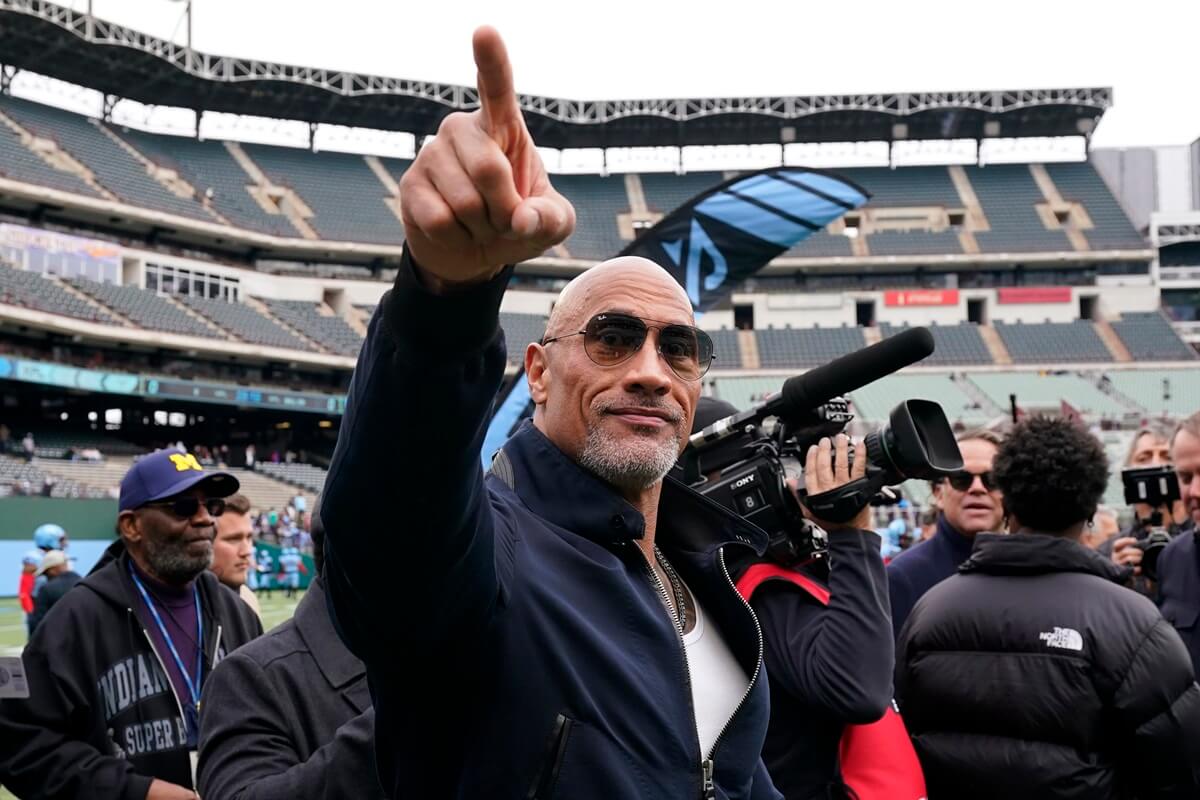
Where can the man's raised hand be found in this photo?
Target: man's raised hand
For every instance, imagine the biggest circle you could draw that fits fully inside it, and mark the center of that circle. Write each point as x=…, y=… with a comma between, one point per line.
x=477, y=197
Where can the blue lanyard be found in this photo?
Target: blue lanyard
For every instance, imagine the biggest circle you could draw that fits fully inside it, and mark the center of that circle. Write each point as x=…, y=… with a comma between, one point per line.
x=193, y=688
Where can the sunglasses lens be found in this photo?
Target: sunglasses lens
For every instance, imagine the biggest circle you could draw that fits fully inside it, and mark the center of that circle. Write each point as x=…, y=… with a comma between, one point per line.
x=215, y=506
x=687, y=350
x=962, y=481
x=612, y=338
x=185, y=506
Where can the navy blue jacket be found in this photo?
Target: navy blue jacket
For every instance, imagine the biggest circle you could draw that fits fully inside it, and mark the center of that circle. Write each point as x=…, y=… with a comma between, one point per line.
x=1179, y=590
x=917, y=570
x=516, y=642
x=829, y=666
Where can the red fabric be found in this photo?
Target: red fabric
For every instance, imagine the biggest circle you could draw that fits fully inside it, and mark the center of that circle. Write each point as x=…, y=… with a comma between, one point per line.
x=878, y=761
x=25, y=591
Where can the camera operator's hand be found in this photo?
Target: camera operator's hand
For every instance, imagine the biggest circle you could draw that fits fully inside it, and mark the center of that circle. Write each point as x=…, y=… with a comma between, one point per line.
x=477, y=197
x=1126, y=552
x=827, y=466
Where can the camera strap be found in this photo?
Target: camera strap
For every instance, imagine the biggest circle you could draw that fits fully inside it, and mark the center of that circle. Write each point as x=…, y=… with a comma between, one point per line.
x=843, y=503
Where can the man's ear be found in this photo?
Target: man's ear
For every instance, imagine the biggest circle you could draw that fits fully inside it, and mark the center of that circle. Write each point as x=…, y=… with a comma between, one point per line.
x=935, y=493
x=128, y=527
x=537, y=372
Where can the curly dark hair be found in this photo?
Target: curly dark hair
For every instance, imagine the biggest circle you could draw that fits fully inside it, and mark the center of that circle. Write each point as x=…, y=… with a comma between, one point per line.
x=1052, y=472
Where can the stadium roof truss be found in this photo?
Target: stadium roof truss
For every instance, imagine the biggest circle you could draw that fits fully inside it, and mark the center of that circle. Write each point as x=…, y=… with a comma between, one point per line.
x=44, y=37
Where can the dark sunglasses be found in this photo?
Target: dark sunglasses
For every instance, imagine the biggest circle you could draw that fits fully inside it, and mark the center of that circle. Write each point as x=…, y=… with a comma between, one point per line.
x=610, y=339
x=963, y=480
x=187, y=506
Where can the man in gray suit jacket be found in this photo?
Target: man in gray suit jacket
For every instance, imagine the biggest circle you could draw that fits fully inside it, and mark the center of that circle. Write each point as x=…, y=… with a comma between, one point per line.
x=290, y=717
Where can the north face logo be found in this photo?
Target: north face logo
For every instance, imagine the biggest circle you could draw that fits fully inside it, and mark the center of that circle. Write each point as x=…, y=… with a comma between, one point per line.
x=1063, y=638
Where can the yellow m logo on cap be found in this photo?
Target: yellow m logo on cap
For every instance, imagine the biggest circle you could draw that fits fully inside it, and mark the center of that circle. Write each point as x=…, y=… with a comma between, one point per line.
x=185, y=461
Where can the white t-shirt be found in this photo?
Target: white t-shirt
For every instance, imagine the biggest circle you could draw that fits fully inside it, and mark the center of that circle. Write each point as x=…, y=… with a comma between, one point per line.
x=718, y=680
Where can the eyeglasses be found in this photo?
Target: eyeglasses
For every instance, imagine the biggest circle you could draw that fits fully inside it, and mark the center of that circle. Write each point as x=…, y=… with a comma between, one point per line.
x=610, y=339
x=962, y=481
x=187, y=506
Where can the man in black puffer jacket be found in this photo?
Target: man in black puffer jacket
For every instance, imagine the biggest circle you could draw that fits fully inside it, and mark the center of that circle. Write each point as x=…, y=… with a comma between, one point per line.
x=1033, y=673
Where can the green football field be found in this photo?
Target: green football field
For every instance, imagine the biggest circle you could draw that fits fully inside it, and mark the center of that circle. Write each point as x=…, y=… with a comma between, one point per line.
x=276, y=609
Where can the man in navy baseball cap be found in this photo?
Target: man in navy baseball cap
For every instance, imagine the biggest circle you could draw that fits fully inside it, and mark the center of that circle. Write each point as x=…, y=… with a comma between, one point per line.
x=167, y=473
x=130, y=683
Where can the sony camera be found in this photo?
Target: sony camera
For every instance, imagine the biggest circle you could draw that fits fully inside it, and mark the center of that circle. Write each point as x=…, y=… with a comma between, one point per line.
x=744, y=462
x=1157, y=487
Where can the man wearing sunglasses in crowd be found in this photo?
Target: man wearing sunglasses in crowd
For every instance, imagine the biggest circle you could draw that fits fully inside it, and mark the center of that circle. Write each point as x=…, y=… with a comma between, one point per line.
x=567, y=624
x=969, y=503
x=115, y=670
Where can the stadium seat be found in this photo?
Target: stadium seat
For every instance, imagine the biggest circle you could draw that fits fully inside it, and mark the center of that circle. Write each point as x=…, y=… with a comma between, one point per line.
x=19, y=287
x=346, y=198
x=245, y=323
x=953, y=344
x=333, y=333
x=1112, y=230
x=1009, y=196
x=212, y=172
x=808, y=347
x=113, y=167
x=1149, y=337
x=1053, y=342
x=144, y=308
x=598, y=201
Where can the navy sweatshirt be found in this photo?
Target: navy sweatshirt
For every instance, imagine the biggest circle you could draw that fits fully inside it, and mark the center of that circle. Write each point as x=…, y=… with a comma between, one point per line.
x=917, y=570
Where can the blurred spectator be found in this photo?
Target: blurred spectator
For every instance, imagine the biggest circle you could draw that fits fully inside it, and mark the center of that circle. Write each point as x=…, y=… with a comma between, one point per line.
x=291, y=564
x=1074, y=662
x=1179, y=563
x=29, y=565
x=233, y=549
x=969, y=504
x=28, y=447
x=1104, y=526
x=250, y=456
x=59, y=580
x=929, y=521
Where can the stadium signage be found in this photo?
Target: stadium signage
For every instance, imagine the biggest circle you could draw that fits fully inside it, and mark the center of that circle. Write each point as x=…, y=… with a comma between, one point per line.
x=921, y=297
x=1034, y=294
x=47, y=374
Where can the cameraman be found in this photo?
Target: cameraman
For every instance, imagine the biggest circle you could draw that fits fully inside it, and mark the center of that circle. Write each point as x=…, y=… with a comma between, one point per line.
x=1150, y=447
x=1179, y=564
x=828, y=666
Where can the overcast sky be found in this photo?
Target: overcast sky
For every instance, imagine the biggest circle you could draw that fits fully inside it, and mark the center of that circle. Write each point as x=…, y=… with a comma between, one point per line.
x=1146, y=51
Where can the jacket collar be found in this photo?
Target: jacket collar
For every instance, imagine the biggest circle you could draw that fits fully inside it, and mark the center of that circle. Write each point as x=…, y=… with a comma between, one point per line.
x=953, y=538
x=337, y=664
x=1036, y=554
x=558, y=490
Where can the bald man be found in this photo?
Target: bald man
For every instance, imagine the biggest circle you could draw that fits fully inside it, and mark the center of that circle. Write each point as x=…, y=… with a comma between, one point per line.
x=567, y=626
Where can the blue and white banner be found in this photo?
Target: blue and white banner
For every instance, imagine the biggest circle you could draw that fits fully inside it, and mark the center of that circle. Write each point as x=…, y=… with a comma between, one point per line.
x=733, y=230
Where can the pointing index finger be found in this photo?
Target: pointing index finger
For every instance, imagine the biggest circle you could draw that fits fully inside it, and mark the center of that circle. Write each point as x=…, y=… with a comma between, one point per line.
x=495, y=81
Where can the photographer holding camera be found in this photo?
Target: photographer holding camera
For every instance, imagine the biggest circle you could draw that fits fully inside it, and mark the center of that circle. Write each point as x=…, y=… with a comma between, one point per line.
x=1147, y=474
x=820, y=590
x=829, y=664
x=826, y=631
x=1179, y=563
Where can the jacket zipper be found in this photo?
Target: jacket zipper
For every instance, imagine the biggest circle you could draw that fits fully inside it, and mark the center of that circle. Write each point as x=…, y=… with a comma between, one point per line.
x=216, y=649
x=687, y=672
x=166, y=675
x=708, y=766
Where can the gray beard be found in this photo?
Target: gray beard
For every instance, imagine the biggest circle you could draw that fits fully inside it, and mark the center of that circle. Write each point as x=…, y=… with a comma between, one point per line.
x=626, y=464
x=171, y=563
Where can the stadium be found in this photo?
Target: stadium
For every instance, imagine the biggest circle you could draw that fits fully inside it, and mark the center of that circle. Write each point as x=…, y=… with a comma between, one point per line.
x=159, y=288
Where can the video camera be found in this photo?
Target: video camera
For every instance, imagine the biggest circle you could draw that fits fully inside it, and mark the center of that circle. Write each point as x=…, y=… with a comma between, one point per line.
x=1157, y=487
x=743, y=461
